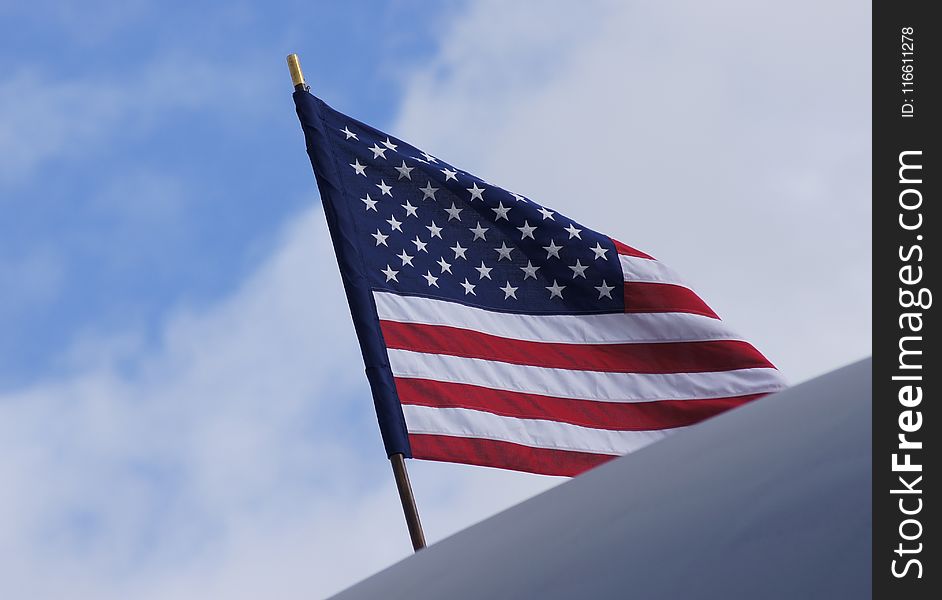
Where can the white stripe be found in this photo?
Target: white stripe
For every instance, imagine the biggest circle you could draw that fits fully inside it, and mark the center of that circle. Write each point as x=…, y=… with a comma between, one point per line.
x=646, y=270
x=584, y=385
x=618, y=328
x=535, y=433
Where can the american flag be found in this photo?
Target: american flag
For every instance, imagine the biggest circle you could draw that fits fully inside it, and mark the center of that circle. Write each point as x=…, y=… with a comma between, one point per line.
x=498, y=332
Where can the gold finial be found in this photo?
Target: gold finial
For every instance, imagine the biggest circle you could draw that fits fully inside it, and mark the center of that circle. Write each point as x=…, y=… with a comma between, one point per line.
x=294, y=66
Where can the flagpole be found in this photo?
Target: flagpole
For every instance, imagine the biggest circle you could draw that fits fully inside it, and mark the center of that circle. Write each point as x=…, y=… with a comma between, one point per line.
x=297, y=76
x=397, y=460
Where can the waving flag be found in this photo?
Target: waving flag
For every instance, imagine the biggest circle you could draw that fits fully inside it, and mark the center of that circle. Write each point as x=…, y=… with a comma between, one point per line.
x=498, y=332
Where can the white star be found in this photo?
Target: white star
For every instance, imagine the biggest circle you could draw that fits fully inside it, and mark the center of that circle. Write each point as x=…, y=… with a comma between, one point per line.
x=605, y=290
x=384, y=188
x=360, y=169
x=573, y=232
x=390, y=274
x=377, y=151
x=380, y=238
x=406, y=259
x=476, y=191
x=599, y=251
x=435, y=230
x=501, y=212
x=396, y=225
x=504, y=251
x=547, y=214
x=349, y=134
x=450, y=174
x=428, y=191
x=509, y=291
x=444, y=265
x=410, y=210
x=405, y=171
x=370, y=203
x=578, y=269
x=429, y=157
x=459, y=251
x=529, y=271
x=479, y=232
x=468, y=287
x=518, y=198
x=556, y=290
x=431, y=279
x=526, y=231
x=389, y=145
x=419, y=245
x=484, y=271
x=552, y=249
x=453, y=212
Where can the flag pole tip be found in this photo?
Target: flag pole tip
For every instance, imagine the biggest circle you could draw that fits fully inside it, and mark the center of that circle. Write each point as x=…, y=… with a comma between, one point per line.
x=297, y=76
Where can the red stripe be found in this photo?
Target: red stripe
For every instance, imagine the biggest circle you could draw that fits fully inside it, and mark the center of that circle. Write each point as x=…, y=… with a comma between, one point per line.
x=503, y=455
x=629, y=251
x=664, y=297
x=675, y=357
x=620, y=416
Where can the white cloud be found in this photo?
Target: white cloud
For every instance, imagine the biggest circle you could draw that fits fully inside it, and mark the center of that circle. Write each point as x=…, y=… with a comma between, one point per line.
x=238, y=455
x=42, y=118
x=730, y=140
x=39, y=120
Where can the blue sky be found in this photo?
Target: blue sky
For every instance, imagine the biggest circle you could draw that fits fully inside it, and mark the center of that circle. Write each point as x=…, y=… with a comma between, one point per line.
x=177, y=159
x=182, y=406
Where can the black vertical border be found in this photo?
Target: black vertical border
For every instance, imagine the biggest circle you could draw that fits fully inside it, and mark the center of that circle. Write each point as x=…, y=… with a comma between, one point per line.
x=893, y=134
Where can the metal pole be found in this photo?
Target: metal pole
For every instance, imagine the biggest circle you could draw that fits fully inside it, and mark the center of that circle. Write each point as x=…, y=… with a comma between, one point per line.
x=297, y=76
x=397, y=460
x=408, y=501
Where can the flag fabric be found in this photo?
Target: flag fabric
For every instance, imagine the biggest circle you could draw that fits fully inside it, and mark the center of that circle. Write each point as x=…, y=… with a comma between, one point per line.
x=498, y=332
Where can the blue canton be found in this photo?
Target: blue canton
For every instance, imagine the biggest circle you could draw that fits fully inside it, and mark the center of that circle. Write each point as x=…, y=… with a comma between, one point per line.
x=427, y=228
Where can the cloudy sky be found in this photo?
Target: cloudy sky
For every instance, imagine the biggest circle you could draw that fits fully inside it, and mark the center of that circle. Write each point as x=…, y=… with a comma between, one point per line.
x=182, y=406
